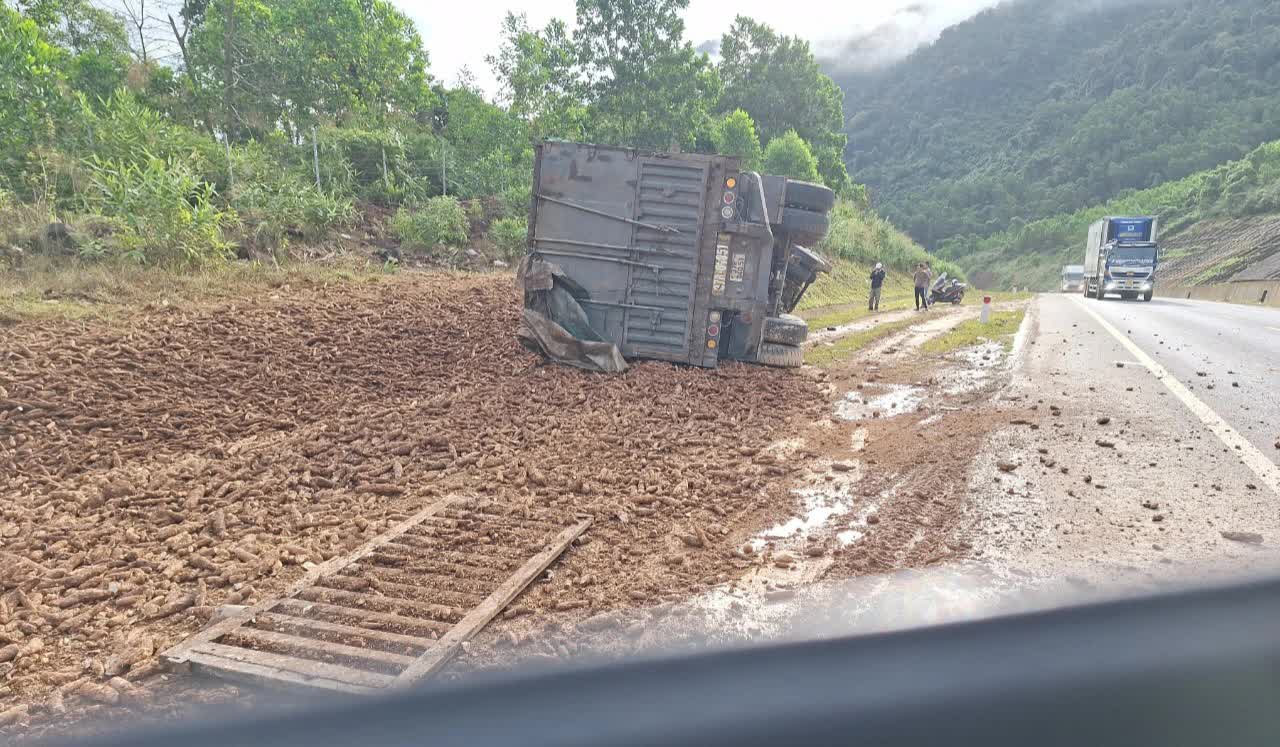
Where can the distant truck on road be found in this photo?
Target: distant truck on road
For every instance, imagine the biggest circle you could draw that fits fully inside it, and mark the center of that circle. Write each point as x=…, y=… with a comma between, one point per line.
x=1121, y=258
x=1072, y=278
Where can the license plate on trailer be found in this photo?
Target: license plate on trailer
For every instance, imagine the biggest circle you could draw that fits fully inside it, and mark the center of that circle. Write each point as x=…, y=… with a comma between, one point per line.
x=722, y=265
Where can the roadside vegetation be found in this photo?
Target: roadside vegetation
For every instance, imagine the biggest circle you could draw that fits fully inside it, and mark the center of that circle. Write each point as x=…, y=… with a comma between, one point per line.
x=1001, y=328
x=824, y=355
x=206, y=132
x=45, y=288
x=841, y=298
x=858, y=240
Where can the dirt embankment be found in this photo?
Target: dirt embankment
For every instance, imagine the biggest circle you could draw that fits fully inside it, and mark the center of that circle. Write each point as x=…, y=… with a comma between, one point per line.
x=1221, y=251
x=155, y=467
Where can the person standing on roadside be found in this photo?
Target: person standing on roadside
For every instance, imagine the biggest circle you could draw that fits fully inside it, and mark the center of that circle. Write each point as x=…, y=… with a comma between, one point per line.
x=877, y=284
x=922, y=279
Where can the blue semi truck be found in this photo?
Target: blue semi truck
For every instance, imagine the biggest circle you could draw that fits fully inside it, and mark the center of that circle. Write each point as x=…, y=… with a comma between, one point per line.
x=1121, y=258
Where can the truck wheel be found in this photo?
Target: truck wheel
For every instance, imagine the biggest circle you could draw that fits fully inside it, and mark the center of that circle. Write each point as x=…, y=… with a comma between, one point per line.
x=805, y=226
x=809, y=196
x=785, y=330
x=780, y=356
x=1147, y=296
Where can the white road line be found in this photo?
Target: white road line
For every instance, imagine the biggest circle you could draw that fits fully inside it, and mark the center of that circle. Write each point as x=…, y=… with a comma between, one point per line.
x=1255, y=460
x=1274, y=329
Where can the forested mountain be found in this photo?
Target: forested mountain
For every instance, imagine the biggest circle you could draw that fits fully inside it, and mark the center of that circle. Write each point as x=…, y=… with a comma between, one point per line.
x=1039, y=107
x=1033, y=254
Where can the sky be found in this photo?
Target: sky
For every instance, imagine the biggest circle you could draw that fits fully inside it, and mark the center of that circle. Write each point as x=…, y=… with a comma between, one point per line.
x=460, y=34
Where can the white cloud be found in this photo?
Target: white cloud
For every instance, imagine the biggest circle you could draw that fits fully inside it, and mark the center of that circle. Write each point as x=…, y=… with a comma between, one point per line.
x=459, y=34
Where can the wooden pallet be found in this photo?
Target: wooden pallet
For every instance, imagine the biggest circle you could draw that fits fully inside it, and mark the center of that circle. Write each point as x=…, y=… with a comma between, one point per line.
x=393, y=611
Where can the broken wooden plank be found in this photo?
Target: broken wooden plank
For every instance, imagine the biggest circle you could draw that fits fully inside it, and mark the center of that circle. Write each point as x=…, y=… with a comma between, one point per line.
x=299, y=671
x=263, y=676
x=393, y=590
x=177, y=654
x=372, y=565
x=275, y=619
x=313, y=645
x=448, y=646
x=379, y=603
x=426, y=557
x=484, y=517
x=369, y=617
x=380, y=575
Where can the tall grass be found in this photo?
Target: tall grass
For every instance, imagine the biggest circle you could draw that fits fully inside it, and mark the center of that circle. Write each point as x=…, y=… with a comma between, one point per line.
x=861, y=236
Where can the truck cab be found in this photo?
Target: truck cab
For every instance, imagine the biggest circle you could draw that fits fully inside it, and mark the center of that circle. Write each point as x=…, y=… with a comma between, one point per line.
x=668, y=256
x=1121, y=258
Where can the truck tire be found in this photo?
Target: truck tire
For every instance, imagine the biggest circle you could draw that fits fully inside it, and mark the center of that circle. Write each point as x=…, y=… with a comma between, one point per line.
x=779, y=356
x=809, y=196
x=786, y=330
x=804, y=226
x=1147, y=296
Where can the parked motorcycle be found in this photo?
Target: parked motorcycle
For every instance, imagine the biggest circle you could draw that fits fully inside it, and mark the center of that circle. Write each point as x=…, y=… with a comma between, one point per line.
x=947, y=290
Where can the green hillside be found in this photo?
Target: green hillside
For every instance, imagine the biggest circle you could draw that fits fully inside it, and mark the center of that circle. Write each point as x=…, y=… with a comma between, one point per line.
x=1037, y=107
x=1033, y=253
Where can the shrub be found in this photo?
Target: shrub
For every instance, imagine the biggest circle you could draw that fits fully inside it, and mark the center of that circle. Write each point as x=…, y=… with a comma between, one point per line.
x=162, y=213
x=513, y=202
x=735, y=135
x=274, y=212
x=789, y=155
x=440, y=221
x=510, y=235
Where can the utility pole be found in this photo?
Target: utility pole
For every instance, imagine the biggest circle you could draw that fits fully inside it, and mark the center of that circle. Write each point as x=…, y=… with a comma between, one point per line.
x=228, y=40
x=315, y=154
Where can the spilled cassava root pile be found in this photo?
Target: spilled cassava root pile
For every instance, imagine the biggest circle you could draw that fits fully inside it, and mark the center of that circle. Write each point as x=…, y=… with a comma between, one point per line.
x=157, y=466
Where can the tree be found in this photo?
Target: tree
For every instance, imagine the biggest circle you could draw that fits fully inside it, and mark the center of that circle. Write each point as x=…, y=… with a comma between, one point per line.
x=646, y=86
x=789, y=155
x=29, y=90
x=538, y=78
x=778, y=82
x=734, y=134
x=94, y=39
x=299, y=62
x=487, y=147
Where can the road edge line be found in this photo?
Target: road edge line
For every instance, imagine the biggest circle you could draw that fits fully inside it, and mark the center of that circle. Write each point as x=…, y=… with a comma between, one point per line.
x=1248, y=454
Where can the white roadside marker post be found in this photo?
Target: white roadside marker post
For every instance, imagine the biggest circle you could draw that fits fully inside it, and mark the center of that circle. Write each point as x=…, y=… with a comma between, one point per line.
x=985, y=316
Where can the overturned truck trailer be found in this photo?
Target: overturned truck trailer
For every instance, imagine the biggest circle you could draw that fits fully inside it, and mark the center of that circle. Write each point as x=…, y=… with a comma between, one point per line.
x=671, y=256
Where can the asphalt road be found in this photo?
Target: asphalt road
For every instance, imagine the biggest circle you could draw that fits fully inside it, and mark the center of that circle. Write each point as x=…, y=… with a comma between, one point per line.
x=1139, y=468
x=1237, y=348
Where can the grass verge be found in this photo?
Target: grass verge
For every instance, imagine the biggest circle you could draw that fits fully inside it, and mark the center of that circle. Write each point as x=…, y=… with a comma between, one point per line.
x=974, y=297
x=47, y=288
x=841, y=297
x=841, y=349
x=1002, y=327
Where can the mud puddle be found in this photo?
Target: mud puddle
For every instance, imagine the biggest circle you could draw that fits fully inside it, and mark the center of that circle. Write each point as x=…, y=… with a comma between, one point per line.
x=880, y=401
x=981, y=364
